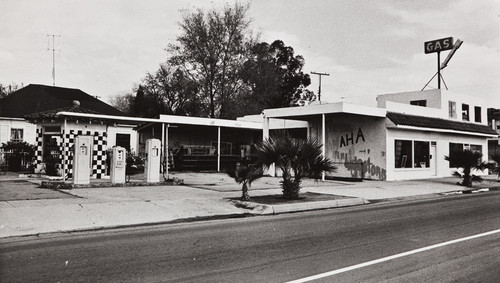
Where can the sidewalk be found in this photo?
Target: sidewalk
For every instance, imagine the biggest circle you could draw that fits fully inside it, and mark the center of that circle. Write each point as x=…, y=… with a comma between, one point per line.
x=31, y=210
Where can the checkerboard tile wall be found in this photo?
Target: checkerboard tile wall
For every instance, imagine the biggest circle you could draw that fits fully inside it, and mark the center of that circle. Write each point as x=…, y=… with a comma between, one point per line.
x=98, y=152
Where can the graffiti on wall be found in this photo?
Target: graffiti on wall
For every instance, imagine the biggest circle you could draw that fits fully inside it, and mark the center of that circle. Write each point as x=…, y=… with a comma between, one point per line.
x=350, y=139
x=359, y=168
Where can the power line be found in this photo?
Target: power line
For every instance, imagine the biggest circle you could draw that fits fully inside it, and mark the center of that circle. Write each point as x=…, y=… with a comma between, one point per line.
x=53, y=55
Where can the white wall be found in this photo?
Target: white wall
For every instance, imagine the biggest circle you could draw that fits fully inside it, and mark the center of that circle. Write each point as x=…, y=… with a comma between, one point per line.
x=442, y=149
x=122, y=129
x=7, y=124
x=472, y=101
x=415, y=110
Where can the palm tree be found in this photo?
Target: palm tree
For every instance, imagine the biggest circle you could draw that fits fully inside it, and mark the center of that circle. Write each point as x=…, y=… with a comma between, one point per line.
x=245, y=174
x=496, y=158
x=468, y=161
x=296, y=158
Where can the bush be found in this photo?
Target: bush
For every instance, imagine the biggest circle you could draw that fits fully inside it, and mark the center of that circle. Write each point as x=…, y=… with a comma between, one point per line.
x=21, y=151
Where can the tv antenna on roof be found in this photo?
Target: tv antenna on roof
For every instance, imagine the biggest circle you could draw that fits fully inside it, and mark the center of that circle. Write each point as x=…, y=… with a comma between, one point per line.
x=53, y=56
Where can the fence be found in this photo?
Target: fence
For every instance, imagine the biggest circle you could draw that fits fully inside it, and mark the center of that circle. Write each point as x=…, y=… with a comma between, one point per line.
x=15, y=161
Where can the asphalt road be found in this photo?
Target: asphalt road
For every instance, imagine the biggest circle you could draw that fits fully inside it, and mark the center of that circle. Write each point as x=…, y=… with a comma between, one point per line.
x=279, y=248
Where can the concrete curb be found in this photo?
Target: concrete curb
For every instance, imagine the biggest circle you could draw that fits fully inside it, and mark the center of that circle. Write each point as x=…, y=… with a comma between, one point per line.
x=263, y=209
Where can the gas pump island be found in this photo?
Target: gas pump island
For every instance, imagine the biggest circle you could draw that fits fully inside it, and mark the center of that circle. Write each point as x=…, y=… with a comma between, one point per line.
x=118, y=165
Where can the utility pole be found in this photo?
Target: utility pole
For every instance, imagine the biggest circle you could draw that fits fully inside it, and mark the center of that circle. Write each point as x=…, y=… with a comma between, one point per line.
x=53, y=55
x=320, y=74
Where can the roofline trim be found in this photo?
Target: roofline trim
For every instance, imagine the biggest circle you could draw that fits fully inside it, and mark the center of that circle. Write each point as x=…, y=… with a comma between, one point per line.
x=329, y=108
x=445, y=131
x=171, y=119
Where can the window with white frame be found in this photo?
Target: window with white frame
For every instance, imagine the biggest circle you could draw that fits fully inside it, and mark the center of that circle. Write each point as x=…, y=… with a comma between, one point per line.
x=16, y=135
x=411, y=154
x=452, y=109
x=477, y=114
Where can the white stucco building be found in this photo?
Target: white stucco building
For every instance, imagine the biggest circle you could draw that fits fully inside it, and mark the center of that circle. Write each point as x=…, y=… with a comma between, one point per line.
x=406, y=136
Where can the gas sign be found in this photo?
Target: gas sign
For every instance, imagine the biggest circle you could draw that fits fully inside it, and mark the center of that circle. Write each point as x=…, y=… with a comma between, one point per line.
x=438, y=45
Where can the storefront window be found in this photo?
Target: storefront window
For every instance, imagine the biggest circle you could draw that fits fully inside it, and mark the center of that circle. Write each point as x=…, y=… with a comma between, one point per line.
x=403, y=154
x=421, y=154
x=411, y=154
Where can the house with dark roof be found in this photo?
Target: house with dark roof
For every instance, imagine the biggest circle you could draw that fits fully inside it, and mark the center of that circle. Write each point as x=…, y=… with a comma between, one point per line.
x=406, y=136
x=31, y=114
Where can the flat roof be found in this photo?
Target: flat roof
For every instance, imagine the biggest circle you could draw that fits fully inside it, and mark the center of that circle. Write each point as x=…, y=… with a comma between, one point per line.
x=327, y=108
x=168, y=119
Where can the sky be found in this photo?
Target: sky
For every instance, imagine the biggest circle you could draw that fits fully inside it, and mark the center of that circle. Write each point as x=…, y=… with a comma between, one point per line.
x=105, y=47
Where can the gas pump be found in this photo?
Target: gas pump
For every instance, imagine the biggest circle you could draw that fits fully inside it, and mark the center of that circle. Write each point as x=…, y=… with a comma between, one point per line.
x=118, y=165
x=153, y=160
x=82, y=160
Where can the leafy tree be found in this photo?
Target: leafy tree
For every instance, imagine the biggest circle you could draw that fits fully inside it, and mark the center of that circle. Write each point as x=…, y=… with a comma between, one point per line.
x=295, y=158
x=275, y=77
x=468, y=161
x=245, y=174
x=211, y=50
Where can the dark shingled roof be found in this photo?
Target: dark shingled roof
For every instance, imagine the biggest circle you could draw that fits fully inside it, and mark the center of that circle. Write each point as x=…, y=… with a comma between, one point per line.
x=41, y=98
x=53, y=113
x=437, y=123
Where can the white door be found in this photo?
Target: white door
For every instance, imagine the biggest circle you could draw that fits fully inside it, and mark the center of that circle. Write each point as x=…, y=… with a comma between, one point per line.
x=433, y=160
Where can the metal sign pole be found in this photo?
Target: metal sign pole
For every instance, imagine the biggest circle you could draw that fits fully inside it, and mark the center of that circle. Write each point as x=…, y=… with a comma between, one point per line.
x=439, y=70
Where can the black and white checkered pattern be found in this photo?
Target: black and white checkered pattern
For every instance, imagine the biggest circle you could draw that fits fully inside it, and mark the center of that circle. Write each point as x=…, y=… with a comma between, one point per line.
x=66, y=148
x=39, y=149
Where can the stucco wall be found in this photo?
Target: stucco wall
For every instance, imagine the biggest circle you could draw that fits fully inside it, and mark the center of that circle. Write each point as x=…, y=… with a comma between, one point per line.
x=433, y=98
x=356, y=144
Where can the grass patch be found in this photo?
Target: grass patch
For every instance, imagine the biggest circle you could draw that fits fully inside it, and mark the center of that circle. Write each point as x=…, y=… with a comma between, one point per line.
x=304, y=197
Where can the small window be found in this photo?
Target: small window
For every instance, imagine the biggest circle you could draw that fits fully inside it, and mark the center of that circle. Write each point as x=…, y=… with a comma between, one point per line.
x=52, y=129
x=452, y=109
x=16, y=135
x=465, y=112
x=476, y=148
x=422, y=103
x=477, y=114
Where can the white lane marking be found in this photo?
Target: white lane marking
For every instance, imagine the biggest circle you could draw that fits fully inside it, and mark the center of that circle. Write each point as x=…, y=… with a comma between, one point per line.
x=372, y=262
